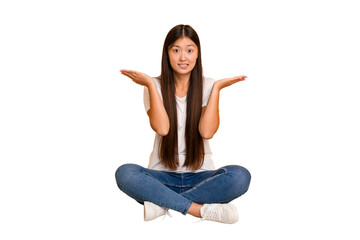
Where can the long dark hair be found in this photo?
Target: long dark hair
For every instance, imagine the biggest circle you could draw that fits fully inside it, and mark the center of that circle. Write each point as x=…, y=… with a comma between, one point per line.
x=194, y=142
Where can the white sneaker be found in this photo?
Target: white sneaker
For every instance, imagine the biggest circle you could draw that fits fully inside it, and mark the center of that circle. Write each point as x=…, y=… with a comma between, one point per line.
x=224, y=213
x=152, y=211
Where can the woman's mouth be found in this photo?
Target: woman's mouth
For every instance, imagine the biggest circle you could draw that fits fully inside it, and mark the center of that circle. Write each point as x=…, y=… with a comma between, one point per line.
x=183, y=66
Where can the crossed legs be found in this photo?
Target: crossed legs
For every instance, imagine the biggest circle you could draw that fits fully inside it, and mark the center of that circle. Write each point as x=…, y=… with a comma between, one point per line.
x=162, y=188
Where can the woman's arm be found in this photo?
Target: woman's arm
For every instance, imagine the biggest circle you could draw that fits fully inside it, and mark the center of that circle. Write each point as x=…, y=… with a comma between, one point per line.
x=159, y=120
x=210, y=120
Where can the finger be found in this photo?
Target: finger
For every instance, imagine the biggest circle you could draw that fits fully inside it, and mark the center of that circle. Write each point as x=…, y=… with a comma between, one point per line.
x=127, y=74
x=237, y=79
x=133, y=74
x=127, y=71
x=241, y=78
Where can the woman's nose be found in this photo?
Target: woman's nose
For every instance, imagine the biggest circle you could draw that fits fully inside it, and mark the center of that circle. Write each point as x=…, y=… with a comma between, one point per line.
x=182, y=56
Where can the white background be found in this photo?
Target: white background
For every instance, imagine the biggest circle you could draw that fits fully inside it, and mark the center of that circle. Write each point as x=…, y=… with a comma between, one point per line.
x=69, y=119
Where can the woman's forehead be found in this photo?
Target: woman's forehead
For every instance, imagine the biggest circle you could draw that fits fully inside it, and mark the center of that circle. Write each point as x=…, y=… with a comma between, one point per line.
x=183, y=42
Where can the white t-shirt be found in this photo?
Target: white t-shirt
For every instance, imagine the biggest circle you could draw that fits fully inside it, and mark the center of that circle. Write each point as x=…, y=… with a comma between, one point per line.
x=155, y=162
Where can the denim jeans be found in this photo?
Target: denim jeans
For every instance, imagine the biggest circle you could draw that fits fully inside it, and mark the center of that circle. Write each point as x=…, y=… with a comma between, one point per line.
x=178, y=191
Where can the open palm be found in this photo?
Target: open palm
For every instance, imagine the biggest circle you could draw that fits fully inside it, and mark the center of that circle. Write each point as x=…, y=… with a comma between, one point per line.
x=222, y=83
x=137, y=77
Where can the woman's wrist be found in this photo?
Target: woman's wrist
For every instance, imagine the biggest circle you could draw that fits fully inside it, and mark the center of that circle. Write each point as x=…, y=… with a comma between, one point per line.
x=216, y=87
x=150, y=83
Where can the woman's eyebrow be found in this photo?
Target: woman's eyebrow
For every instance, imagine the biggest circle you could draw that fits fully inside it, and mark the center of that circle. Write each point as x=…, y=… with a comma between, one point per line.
x=190, y=45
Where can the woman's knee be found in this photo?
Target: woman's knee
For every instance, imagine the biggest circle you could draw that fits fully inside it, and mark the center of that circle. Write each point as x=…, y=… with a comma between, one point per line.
x=125, y=171
x=240, y=177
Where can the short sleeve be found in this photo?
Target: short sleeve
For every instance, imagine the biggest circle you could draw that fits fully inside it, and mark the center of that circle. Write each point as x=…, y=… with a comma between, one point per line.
x=146, y=99
x=147, y=95
x=208, y=86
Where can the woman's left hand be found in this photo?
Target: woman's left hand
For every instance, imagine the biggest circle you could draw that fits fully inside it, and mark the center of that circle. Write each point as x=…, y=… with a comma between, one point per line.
x=220, y=84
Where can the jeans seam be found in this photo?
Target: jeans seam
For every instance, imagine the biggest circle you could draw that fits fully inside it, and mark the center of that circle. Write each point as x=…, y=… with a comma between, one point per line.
x=131, y=192
x=187, y=207
x=182, y=182
x=160, y=181
x=205, y=181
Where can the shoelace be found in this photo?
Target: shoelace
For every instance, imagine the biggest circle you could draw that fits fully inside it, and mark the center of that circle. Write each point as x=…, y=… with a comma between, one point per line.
x=166, y=213
x=212, y=215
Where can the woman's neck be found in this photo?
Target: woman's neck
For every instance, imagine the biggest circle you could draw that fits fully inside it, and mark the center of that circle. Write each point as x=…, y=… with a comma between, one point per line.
x=182, y=82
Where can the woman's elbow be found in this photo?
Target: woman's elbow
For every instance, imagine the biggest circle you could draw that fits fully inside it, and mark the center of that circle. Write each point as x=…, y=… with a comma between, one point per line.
x=207, y=134
x=161, y=130
x=206, y=130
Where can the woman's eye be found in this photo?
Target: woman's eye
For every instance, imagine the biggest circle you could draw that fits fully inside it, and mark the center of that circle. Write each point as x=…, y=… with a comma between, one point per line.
x=176, y=50
x=190, y=50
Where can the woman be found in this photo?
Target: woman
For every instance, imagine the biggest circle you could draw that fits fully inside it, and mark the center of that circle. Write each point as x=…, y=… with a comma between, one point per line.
x=183, y=110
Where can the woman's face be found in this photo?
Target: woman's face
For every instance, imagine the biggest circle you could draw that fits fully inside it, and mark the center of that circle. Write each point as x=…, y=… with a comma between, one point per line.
x=183, y=54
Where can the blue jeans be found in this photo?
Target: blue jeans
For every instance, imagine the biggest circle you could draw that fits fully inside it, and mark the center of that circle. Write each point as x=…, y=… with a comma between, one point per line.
x=178, y=191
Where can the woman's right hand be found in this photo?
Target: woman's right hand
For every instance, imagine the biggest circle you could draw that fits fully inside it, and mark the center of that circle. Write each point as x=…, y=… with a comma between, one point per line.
x=138, y=77
x=159, y=120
